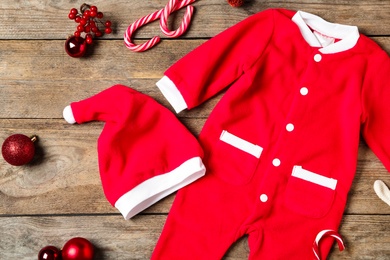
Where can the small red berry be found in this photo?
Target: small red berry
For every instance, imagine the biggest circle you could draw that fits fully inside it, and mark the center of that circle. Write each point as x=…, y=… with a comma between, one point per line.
x=92, y=24
x=77, y=33
x=83, y=21
x=88, y=38
x=87, y=14
x=93, y=8
x=73, y=11
x=94, y=29
x=99, y=15
x=87, y=29
x=98, y=33
x=80, y=28
x=107, y=23
x=93, y=14
x=71, y=16
x=108, y=30
x=77, y=19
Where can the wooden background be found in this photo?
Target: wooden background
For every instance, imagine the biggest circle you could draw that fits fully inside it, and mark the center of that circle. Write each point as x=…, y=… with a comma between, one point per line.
x=59, y=196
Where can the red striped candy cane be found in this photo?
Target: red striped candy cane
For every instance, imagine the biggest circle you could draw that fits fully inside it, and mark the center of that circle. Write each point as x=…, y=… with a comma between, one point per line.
x=170, y=8
x=136, y=25
x=148, y=19
x=323, y=234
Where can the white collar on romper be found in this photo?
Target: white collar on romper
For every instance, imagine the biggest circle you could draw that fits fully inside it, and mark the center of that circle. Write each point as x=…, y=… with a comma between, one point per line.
x=319, y=33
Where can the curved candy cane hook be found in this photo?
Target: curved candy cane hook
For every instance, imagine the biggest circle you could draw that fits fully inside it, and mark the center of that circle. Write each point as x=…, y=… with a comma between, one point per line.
x=324, y=234
x=136, y=25
x=172, y=6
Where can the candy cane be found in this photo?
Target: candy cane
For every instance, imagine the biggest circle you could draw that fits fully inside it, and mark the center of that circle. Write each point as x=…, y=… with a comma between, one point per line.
x=323, y=234
x=171, y=7
x=136, y=25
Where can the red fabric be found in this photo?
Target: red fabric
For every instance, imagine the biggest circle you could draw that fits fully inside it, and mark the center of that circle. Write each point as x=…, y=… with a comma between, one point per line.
x=265, y=61
x=140, y=139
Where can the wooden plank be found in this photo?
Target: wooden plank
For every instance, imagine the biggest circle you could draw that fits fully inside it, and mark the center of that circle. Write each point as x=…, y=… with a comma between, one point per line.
x=64, y=177
x=46, y=19
x=366, y=237
x=47, y=61
x=113, y=237
x=41, y=73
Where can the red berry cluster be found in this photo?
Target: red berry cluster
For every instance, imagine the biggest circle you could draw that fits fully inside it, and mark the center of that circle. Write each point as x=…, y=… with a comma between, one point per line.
x=89, y=21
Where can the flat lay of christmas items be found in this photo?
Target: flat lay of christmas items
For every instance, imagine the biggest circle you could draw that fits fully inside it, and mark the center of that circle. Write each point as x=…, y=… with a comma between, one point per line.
x=189, y=129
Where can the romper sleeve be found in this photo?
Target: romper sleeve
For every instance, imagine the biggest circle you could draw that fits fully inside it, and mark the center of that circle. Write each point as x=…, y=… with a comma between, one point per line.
x=217, y=63
x=376, y=106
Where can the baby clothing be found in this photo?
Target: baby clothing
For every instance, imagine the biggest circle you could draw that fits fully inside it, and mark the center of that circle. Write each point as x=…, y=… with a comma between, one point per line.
x=281, y=145
x=144, y=152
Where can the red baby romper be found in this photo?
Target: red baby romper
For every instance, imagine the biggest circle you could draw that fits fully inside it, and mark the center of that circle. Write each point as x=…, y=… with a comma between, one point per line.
x=281, y=145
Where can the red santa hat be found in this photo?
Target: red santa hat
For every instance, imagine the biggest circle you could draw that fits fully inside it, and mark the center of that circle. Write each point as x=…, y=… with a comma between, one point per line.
x=144, y=152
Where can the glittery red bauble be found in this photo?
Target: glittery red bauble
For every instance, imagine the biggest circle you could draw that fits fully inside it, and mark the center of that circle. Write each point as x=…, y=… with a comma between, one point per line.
x=78, y=248
x=18, y=149
x=236, y=3
x=49, y=253
x=75, y=46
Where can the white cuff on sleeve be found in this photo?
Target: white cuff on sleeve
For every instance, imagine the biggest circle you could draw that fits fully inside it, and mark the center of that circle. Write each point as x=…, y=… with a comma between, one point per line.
x=68, y=115
x=172, y=94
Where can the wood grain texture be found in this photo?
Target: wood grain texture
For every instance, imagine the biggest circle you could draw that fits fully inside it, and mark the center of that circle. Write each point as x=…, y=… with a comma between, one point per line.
x=48, y=19
x=59, y=195
x=41, y=73
x=114, y=238
x=64, y=176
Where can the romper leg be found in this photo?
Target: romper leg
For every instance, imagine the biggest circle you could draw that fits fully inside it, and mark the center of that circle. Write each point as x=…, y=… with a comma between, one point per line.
x=284, y=234
x=203, y=223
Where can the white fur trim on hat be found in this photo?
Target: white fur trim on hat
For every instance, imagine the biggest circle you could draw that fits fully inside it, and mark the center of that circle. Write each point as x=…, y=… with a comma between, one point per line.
x=154, y=189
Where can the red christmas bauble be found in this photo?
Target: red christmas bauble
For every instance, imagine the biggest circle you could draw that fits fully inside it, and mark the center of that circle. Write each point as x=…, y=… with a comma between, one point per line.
x=236, y=3
x=78, y=248
x=75, y=46
x=18, y=149
x=49, y=253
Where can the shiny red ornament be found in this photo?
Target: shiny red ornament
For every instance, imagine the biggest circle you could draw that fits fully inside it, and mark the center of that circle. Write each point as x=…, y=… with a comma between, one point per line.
x=235, y=3
x=78, y=248
x=75, y=46
x=18, y=149
x=49, y=253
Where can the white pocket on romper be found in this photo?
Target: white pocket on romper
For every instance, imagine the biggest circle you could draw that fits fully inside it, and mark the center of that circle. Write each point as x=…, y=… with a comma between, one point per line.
x=234, y=159
x=241, y=144
x=310, y=193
